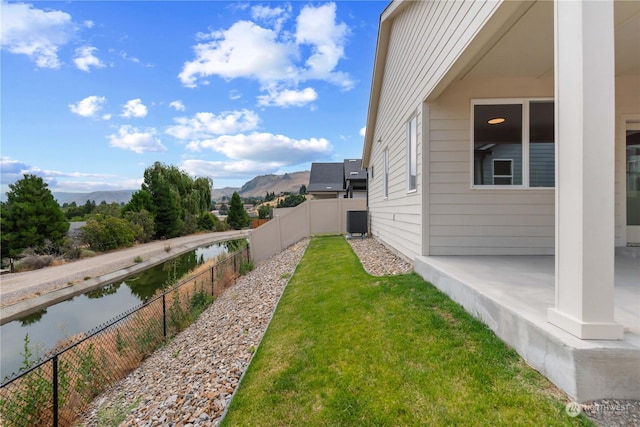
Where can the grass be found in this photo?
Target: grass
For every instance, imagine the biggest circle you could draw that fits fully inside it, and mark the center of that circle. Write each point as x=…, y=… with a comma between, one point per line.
x=346, y=348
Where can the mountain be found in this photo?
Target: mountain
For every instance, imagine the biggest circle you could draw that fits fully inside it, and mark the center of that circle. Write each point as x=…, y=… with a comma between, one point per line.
x=257, y=187
x=120, y=196
x=219, y=193
x=263, y=184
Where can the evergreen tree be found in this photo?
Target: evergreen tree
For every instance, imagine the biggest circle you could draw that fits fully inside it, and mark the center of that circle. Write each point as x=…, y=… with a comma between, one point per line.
x=175, y=200
x=237, y=217
x=140, y=200
x=30, y=217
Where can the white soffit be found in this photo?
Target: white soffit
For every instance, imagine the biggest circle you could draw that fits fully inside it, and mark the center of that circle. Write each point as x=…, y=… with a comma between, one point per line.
x=526, y=49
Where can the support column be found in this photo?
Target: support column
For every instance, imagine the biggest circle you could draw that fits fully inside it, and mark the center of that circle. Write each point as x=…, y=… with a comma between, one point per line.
x=585, y=166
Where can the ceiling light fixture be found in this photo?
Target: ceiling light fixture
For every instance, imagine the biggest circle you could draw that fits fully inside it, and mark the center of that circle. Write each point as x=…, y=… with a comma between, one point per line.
x=496, y=121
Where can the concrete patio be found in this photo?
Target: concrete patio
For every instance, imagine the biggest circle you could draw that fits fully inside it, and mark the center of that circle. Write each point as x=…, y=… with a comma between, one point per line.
x=511, y=294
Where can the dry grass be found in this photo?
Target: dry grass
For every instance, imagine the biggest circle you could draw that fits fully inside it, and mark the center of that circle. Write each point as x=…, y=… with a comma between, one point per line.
x=86, y=368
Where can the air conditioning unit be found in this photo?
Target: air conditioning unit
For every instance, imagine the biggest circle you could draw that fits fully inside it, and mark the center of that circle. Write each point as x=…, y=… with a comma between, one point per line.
x=357, y=223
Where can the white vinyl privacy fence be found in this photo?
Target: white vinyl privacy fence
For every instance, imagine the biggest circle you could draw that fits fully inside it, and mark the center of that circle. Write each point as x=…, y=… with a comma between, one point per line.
x=289, y=225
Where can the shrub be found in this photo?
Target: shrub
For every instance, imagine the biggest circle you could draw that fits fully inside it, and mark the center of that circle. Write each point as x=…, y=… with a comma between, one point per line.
x=208, y=221
x=30, y=260
x=103, y=233
x=245, y=267
x=87, y=253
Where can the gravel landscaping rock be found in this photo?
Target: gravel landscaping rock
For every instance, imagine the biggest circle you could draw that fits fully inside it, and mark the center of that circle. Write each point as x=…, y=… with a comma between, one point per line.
x=376, y=259
x=190, y=381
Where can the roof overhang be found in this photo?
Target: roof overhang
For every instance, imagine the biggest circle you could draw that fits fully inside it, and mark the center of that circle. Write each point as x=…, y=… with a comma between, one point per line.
x=382, y=46
x=506, y=14
x=503, y=47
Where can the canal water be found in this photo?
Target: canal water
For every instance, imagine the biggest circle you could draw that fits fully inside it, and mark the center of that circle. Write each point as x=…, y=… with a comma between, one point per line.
x=87, y=311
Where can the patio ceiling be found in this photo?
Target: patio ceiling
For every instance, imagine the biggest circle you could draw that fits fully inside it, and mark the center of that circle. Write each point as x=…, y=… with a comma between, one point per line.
x=526, y=48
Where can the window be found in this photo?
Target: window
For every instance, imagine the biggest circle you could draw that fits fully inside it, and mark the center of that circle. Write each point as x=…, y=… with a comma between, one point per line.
x=513, y=143
x=502, y=171
x=385, y=173
x=412, y=161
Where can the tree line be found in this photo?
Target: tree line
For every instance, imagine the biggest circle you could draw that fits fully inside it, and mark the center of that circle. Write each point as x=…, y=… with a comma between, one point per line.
x=169, y=203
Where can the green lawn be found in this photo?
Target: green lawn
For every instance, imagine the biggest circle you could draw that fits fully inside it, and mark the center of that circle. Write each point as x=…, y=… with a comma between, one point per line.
x=346, y=348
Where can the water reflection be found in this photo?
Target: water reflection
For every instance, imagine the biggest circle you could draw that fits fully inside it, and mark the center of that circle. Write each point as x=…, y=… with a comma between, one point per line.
x=87, y=311
x=33, y=317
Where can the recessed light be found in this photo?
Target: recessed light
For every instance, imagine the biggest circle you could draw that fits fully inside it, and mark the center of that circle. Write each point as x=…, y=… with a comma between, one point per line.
x=496, y=121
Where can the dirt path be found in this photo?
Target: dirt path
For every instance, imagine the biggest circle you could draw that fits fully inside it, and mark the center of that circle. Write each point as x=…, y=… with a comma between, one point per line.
x=22, y=286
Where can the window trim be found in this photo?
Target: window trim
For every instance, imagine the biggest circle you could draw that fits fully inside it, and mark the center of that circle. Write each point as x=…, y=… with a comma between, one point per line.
x=525, y=103
x=412, y=155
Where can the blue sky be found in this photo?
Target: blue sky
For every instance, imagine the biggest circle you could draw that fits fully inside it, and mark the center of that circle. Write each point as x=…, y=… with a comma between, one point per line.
x=93, y=92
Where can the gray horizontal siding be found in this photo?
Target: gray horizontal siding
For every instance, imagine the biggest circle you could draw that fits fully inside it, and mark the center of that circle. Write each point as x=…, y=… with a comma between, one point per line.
x=481, y=221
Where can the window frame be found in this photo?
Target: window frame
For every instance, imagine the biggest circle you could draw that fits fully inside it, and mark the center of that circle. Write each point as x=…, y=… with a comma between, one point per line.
x=412, y=154
x=510, y=176
x=526, y=161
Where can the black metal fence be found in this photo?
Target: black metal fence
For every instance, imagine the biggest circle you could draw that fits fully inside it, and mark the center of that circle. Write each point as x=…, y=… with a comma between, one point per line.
x=56, y=389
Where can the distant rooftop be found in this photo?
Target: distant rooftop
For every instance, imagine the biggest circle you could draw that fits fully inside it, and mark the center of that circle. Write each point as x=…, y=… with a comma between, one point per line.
x=326, y=177
x=353, y=170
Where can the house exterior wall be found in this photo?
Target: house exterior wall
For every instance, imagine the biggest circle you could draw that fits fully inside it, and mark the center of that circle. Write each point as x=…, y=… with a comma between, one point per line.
x=481, y=221
x=445, y=215
x=425, y=38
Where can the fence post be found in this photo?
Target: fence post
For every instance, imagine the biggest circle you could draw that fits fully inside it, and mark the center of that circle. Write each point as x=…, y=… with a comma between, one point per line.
x=235, y=263
x=212, y=282
x=55, y=390
x=164, y=316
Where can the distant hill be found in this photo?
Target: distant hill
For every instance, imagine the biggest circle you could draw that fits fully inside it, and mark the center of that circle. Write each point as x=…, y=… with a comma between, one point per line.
x=289, y=182
x=263, y=184
x=120, y=196
x=219, y=193
x=257, y=187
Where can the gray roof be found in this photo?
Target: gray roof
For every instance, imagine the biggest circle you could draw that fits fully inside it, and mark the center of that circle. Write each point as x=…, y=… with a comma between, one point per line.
x=353, y=170
x=326, y=177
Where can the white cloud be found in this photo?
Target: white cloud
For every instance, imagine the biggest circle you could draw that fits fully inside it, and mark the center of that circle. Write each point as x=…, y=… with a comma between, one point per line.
x=13, y=170
x=274, y=16
x=85, y=186
x=317, y=27
x=244, y=50
x=84, y=58
x=363, y=131
x=89, y=107
x=134, y=108
x=234, y=94
x=228, y=169
x=35, y=32
x=124, y=55
x=266, y=147
x=206, y=125
x=288, y=97
x=273, y=56
x=177, y=105
x=88, y=23
x=130, y=138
